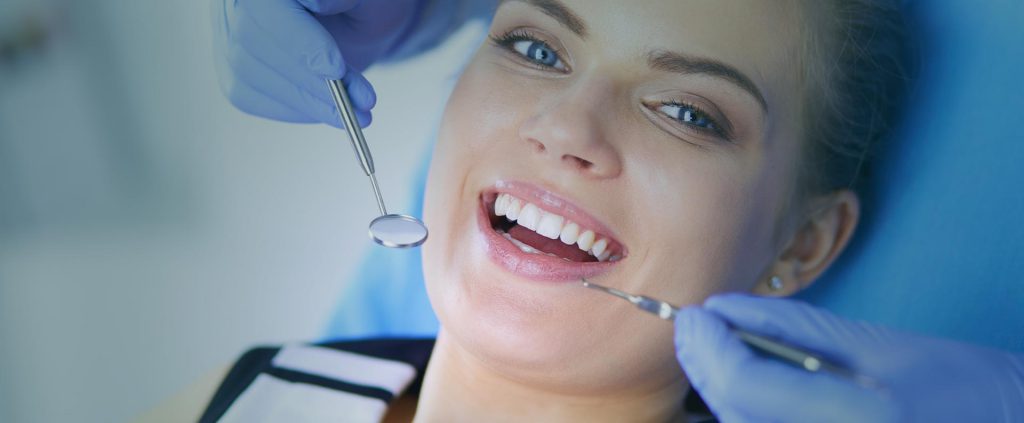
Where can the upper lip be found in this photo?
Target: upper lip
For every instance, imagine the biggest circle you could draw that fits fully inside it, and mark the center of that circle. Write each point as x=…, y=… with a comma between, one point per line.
x=554, y=203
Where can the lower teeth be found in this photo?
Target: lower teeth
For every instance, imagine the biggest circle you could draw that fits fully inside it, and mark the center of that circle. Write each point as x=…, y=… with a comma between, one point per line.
x=527, y=248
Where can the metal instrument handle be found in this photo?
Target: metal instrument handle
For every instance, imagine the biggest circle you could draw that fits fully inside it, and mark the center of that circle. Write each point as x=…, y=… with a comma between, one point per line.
x=355, y=134
x=348, y=117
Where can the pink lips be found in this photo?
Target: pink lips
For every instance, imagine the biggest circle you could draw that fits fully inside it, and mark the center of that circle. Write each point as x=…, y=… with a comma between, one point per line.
x=537, y=266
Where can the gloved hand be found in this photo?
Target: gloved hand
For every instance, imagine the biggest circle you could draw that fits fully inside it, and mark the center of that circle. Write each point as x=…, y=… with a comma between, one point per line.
x=924, y=379
x=274, y=55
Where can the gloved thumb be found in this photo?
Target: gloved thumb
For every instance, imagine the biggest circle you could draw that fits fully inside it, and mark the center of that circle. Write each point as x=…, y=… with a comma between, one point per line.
x=740, y=386
x=329, y=7
x=799, y=323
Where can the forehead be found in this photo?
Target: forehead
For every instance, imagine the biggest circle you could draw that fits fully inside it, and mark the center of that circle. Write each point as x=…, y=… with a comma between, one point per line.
x=758, y=37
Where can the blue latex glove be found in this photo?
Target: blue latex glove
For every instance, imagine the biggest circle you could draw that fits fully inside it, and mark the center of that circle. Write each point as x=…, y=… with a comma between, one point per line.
x=273, y=55
x=925, y=379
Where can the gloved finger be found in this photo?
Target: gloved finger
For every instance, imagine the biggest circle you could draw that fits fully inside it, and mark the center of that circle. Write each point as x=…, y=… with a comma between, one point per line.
x=364, y=118
x=785, y=393
x=697, y=333
x=294, y=30
x=734, y=381
x=249, y=100
x=239, y=93
x=377, y=20
x=360, y=91
x=369, y=30
x=801, y=324
x=270, y=83
x=273, y=85
x=329, y=7
x=260, y=45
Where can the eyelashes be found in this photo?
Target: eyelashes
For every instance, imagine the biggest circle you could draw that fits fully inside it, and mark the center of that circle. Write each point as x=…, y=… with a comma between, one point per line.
x=539, y=54
x=532, y=49
x=693, y=116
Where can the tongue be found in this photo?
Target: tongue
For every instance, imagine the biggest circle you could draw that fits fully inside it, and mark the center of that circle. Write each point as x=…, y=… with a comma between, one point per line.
x=547, y=245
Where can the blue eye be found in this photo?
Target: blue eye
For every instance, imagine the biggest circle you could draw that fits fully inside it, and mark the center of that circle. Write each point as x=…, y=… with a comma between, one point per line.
x=539, y=53
x=690, y=115
x=532, y=49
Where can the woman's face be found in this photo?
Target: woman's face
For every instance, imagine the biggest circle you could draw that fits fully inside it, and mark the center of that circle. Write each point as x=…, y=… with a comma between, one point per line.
x=669, y=128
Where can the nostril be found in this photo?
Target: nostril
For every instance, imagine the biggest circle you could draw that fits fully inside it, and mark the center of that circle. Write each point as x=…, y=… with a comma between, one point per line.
x=538, y=146
x=577, y=162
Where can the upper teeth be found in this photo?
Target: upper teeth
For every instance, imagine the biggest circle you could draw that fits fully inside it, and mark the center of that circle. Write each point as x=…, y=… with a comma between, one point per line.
x=552, y=226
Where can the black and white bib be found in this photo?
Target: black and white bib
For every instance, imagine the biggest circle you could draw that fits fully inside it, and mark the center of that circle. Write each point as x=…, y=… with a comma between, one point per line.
x=351, y=381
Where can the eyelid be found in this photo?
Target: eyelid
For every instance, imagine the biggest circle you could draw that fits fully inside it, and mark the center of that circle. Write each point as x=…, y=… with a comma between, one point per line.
x=724, y=131
x=506, y=40
x=710, y=109
x=720, y=128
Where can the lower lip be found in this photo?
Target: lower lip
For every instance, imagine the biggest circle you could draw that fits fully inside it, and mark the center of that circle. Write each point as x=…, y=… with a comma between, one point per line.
x=537, y=267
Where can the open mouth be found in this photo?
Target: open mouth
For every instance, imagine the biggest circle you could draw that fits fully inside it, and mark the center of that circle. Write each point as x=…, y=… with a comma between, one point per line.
x=538, y=228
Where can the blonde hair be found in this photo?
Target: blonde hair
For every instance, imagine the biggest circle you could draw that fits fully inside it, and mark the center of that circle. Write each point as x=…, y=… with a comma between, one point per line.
x=856, y=76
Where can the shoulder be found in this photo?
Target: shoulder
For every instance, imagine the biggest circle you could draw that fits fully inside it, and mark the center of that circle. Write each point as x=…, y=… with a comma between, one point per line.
x=328, y=380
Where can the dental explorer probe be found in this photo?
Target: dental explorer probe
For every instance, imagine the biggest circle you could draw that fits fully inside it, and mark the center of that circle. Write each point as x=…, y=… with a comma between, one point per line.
x=805, y=360
x=389, y=230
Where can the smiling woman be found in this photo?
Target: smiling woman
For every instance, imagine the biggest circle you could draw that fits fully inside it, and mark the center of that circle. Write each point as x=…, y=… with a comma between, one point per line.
x=679, y=149
x=678, y=127
x=673, y=125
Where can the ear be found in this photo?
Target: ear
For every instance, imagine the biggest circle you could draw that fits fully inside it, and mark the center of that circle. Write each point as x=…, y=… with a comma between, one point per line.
x=822, y=236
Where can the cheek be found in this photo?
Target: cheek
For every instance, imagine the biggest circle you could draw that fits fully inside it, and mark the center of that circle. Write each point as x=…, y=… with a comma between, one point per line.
x=470, y=126
x=712, y=228
x=484, y=108
x=478, y=129
x=474, y=124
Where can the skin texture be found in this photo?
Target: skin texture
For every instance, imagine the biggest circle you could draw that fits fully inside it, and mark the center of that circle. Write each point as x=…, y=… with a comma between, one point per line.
x=698, y=213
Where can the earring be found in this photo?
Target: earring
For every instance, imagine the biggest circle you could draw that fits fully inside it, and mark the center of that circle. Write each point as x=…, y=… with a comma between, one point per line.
x=775, y=283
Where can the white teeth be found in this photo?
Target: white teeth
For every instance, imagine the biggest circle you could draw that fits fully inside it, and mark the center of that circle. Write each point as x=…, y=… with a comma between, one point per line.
x=550, y=225
x=599, y=247
x=528, y=249
x=501, y=205
x=513, y=209
x=524, y=247
x=570, y=232
x=529, y=216
x=586, y=240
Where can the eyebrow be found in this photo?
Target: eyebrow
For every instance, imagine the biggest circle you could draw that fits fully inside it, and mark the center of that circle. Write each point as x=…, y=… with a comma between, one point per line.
x=659, y=59
x=560, y=13
x=680, y=63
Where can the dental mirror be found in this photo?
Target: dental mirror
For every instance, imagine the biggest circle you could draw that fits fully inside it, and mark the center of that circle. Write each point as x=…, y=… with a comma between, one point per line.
x=398, y=231
x=389, y=230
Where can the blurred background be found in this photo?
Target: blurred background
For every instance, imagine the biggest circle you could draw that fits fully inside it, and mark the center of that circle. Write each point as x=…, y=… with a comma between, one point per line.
x=150, y=232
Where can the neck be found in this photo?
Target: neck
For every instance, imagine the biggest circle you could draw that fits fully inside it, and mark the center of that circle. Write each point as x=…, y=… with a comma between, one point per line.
x=457, y=387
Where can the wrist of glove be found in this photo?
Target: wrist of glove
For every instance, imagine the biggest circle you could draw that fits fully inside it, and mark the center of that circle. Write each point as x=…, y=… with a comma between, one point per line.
x=924, y=379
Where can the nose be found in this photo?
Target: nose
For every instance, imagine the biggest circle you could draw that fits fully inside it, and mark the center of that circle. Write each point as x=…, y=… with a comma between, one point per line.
x=572, y=129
